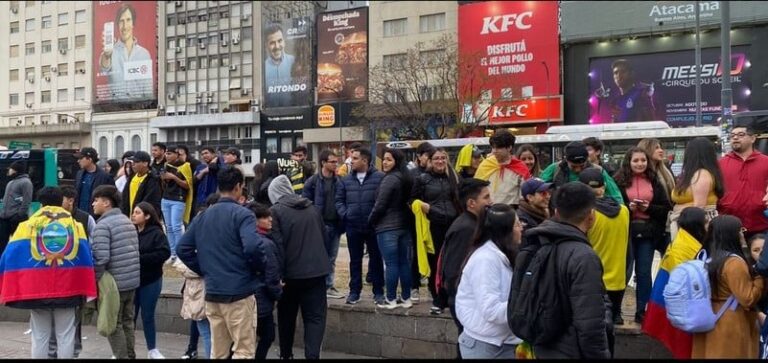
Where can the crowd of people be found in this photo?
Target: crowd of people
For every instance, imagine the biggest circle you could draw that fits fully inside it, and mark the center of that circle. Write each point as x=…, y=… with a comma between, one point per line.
x=477, y=233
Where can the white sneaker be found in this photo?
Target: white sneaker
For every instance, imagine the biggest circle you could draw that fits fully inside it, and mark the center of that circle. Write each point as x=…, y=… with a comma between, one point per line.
x=388, y=304
x=406, y=304
x=154, y=354
x=415, y=295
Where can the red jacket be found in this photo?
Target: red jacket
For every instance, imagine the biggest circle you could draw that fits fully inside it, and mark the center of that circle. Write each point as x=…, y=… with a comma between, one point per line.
x=744, y=183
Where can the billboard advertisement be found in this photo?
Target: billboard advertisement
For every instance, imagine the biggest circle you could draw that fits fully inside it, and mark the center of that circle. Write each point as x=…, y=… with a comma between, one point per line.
x=508, y=51
x=124, y=51
x=342, y=56
x=661, y=86
x=287, y=62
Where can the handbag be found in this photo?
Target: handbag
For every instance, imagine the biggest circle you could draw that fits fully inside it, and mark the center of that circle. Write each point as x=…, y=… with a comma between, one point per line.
x=641, y=228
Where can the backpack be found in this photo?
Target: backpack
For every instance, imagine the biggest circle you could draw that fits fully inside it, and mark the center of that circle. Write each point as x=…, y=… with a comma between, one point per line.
x=537, y=306
x=688, y=297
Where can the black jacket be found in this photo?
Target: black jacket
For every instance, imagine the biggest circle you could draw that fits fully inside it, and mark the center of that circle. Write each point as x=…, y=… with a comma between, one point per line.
x=391, y=211
x=529, y=218
x=261, y=194
x=153, y=251
x=268, y=289
x=581, y=275
x=458, y=241
x=298, y=230
x=440, y=193
x=100, y=177
x=658, y=208
x=149, y=191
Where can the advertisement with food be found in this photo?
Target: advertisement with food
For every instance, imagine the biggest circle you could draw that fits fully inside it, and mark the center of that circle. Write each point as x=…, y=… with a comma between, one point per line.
x=287, y=62
x=342, y=63
x=124, y=51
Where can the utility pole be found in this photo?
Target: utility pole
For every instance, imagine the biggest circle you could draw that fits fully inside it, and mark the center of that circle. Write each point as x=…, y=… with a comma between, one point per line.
x=698, y=67
x=726, y=94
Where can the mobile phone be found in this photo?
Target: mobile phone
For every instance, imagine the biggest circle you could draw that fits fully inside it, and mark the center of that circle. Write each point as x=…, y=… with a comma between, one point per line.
x=109, y=35
x=638, y=201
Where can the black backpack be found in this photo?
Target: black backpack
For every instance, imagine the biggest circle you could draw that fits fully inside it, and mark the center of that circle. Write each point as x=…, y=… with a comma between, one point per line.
x=537, y=309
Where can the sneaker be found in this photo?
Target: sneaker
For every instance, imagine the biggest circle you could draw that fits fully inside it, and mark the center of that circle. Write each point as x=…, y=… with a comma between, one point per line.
x=406, y=304
x=332, y=293
x=379, y=299
x=415, y=295
x=154, y=354
x=387, y=304
x=434, y=310
x=353, y=299
x=190, y=354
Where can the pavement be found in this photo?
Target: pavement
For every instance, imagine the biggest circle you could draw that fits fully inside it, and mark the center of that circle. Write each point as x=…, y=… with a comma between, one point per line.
x=16, y=344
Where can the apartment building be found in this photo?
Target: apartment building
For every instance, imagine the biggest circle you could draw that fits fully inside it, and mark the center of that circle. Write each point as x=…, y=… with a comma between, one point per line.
x=45, y=87
x=207, y=91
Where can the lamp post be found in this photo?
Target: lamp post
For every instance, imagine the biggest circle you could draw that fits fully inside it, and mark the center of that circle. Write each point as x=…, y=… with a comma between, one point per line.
x=546, y=104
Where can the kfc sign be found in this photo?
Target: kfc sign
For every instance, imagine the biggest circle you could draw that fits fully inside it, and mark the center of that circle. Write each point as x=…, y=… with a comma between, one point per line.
x=508, y=51
x=538, y=109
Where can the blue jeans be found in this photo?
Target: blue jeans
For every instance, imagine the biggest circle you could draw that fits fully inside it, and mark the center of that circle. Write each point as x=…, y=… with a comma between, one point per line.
x=145, y=303
x=475, y=349
x=355, y=241
x=643, y=249
x=332, y=234
x=204, y=327
x=395, y=247
x=173, y=215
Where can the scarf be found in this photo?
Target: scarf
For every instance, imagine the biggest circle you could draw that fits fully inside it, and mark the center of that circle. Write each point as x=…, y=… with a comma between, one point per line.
x=534, y=212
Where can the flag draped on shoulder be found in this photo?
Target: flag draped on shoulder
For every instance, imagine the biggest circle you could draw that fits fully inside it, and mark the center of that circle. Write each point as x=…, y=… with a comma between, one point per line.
x=491, y=166
x=424, y=243
x=48, y=257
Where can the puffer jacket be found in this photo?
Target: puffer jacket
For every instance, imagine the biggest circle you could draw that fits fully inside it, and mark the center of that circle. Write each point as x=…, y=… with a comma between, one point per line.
x=391, y=210
x=314, y=189
x=354, y=201
x=585, y=334
x=153, y=251
x=18, y=196
x=193, y=296
x=297, y=231
x=115, y=245
x=440, y=193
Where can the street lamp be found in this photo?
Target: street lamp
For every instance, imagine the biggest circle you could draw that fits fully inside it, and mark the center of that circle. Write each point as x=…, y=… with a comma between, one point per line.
x=546, y=104
x=338, y=106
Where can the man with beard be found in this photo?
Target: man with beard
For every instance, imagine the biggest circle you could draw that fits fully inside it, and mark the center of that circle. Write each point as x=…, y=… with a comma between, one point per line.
x=745, y=176
x=534, y=205
x=635, y=101
x=277, y=66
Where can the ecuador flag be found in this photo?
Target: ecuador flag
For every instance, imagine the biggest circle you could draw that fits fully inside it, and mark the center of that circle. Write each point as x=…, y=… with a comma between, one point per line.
x=48, y=257
x=656, y=324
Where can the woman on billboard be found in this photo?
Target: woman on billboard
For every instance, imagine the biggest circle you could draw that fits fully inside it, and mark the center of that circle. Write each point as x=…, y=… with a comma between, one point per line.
x=128, y=65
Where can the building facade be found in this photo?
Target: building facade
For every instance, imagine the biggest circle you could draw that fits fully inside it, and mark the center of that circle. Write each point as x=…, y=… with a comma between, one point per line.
x=45, y=87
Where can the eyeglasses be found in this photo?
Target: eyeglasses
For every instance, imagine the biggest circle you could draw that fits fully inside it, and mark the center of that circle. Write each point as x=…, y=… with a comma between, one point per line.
x=739, y=134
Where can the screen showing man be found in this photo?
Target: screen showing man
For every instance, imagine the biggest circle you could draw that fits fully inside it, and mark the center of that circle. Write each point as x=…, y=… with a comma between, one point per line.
x=287, y=59
x=277, y=67
x=635, y=99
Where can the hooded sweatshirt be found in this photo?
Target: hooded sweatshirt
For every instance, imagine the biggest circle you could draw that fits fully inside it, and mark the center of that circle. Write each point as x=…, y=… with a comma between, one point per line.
x=18, y=195
x=297, y=230
x=609, y=237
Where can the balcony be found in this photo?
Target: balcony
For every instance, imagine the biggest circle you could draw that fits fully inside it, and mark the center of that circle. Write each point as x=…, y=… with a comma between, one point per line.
x=50, y=129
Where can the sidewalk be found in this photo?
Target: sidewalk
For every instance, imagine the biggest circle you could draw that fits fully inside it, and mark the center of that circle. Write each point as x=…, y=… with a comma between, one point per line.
x=16, y=344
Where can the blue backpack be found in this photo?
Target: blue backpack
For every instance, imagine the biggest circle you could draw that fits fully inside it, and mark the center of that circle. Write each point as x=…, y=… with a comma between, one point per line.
x=688, y=297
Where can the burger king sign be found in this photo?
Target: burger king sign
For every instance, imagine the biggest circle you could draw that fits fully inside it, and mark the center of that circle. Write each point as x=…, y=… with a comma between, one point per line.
x=326, y=116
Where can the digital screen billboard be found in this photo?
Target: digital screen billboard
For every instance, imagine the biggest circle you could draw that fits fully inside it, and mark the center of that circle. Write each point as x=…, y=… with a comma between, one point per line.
x=661, y=86
x=342, y=56
x=124, y=51
x=287, y=62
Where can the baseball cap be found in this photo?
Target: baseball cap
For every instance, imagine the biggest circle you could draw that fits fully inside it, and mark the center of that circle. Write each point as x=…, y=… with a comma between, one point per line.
x=576, y=152
x=592, y=177
x=140, y=156
x=533, y=186
x=87, y=152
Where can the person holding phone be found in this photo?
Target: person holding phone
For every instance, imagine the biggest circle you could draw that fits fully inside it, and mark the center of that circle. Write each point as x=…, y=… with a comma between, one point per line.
x=648, y=207
x=119, y=58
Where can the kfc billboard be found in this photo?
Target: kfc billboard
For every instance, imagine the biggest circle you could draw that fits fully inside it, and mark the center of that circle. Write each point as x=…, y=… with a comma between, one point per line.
x=124, y=51
x=660, y=86
x=342, y=56
x=287, y=62
x=509, y=51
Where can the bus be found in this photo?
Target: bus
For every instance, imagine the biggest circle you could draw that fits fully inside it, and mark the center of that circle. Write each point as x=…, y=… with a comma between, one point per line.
x=46, y=167
x=618, y=138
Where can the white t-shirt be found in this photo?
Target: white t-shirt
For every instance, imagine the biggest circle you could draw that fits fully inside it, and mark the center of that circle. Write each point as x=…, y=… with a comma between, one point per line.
x=361, y=177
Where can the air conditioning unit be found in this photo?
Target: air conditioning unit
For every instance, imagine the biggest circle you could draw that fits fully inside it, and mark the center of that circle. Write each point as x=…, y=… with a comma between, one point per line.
x=183, y=67
x=245, y=17
x=201, y=95
x=209, y=99
x=178, y=49
x=202, y=45
x=198, y=100
x=15, y=10
x=47, y=78
x=63, y=51
x=29, y=105
x=178, y=4
x=235, y=41
x=44, y=122
x=223, y=43
x=33, y=123
x=31, y=79
x=210, y=94
x=172, y=96
x=244, y=91
x=81, y=70
x=233, y=67
x=254, y=102
x=54, y=70
x=19, y=122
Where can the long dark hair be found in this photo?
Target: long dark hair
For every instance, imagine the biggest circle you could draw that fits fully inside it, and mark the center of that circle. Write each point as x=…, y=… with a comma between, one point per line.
x=271, y=170
x=529, y=148
x=723, y=239
x=700, y=154
x=497, y=226
x=114, y=167
x=400, y=165
x=694, y=221
x=453, y=178
x=623, y=176
x=149, y=210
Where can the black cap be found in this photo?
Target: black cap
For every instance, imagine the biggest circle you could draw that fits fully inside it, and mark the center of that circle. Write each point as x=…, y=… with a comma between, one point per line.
x=19, y=167
x=140, y=156
x=576, y=152
x=87, y=152
x=592, y=177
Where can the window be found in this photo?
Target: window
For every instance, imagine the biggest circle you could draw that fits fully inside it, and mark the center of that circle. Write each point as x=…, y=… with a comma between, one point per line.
x=103, y=145
x=170, y=66
x=30, y=25
x=29, y=73
x=14, y=51
x=432, y=23
x=171, y=20
x=152, y=138
x=14, y=100
x=80, y=66
x=395, y=61
x=46, y=119
x=14, y=27
x=431, y=93
x=136, y=143
x=432, y=57
x=45, y=71
x=396, y=95
x=80, y=117
x=119, y=145
x=395, y=27
x=29, y=49
x=80, y=16
x=171, y=43
x=14, y=75
x=61, y=95
x=45, y=97
x=63, y=43
x=80, y=41
x=29, y=97
x=79, y=93
x=63, y=69
x=29, y=120
x=63, y=19
x=46, y=22
x=45, y=46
